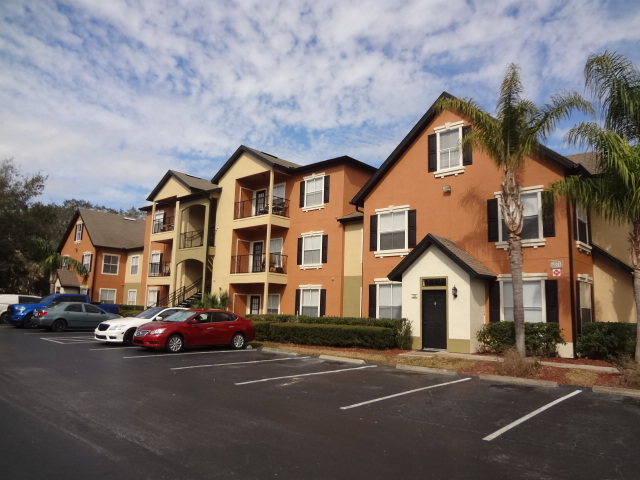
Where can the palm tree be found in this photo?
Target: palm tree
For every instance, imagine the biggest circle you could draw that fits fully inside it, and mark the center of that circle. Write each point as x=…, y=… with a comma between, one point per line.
x=53, y=262
x=514, y=134
x=614, y=193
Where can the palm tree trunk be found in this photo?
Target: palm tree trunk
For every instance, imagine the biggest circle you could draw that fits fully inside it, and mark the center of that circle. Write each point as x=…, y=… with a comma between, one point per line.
x=515, y=260
x=634, y=241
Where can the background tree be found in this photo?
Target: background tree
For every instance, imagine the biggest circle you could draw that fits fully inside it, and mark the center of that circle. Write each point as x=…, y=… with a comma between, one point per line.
x=514, y=134
x=614, y=193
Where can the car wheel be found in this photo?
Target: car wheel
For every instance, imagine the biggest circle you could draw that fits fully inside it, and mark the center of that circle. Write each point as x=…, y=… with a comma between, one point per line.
x=238, y=342
x=4, y=317
x=28, y=322
x=175, y=344
x=128, y=337
x=59, y=325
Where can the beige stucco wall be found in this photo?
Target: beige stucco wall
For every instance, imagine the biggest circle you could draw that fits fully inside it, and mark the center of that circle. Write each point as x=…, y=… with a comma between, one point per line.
x=352, y=281
x=613, y=292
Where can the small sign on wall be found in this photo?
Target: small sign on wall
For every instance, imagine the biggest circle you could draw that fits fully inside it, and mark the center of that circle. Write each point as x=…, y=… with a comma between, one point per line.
x=555, y=264
x=556, y=272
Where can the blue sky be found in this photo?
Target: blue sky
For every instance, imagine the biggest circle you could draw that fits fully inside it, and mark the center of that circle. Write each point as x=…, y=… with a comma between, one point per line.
x=105, y=96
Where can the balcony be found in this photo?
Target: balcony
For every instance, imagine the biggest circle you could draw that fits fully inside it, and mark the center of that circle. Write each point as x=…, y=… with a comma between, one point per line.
x=259, y=206
x=160, y=269
x=165, y=225
x=257, y=264
x=196, y=238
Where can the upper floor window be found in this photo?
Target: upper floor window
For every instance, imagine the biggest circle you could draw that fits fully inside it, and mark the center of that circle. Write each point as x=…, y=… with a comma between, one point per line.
x=582, y=228
x=79, y=228
x=314, y=191
x=312, y=250
x=135, y=265
x=110, y=264
x=86, y=261
x=445, y=155
x=393, y=231
x=537, y=223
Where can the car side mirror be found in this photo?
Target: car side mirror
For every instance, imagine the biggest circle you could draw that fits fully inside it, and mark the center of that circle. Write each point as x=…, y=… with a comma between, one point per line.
x=193, y=321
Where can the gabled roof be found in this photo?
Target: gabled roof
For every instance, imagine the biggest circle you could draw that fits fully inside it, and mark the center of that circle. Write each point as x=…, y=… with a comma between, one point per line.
x=614, y=260
x=411, y=137
x=588, y=160
x=193, y=184
x=67, y=278
x=355, y=217
x=109, y=230
x=458, y=255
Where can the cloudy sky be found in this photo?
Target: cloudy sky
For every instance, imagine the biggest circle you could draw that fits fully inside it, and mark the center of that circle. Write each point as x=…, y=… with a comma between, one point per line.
x=105, y=96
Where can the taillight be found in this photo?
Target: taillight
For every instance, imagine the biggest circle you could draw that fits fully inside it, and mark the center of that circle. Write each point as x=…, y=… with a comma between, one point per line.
x=40, y=313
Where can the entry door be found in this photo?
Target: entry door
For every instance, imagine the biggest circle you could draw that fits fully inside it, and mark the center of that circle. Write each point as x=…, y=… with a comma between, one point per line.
x=254, y=305
x=434, y=319
x=257, y=265
x=261, y=202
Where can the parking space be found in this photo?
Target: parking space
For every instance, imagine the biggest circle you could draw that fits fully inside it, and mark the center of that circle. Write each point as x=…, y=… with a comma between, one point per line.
x=284, y=396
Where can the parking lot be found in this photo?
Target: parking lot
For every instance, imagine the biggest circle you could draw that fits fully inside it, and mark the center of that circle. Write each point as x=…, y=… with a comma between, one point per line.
x=76, y=408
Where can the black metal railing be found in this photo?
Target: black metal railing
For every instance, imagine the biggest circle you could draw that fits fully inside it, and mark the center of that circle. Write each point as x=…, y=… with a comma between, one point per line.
x=164, y=225
x=257, y=264
x=179, y=295
x=196, y=238
x=160, y=269
x=260, y=206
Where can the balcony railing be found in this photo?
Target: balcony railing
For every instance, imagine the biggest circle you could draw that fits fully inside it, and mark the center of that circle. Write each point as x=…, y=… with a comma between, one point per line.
x=196, y=238
x=260, y=206
x=164, y=225
x=160, y=269
x=257, y=264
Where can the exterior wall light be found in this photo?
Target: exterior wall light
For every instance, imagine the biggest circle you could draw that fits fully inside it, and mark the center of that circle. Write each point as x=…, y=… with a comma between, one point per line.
x=446, y=188
x=454, y=292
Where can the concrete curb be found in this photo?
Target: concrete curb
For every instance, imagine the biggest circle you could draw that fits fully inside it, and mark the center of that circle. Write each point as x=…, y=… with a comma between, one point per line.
x=628, y=392
x=278, y=350
x=415, y=368
x=519, y=381
x=573, y=366
x=342, y=359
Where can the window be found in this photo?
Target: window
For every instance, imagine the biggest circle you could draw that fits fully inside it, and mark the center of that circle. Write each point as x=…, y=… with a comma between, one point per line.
x=582, y=228
x=154, y=266
x=310, y=302
x=393, y=231
x=84, y=290
x=132, y=297
x=78, y=237
x=531, y=298
x=273, y=305
x=86, y=261
x=312, y=250
x=92, y=309
x=110, y=264
x=390, y=300
x=108, y=295
x=538, y=218
x=135, y=264
x=445, y=156
x=152, y=297
x=314, y=191
x=584, y=294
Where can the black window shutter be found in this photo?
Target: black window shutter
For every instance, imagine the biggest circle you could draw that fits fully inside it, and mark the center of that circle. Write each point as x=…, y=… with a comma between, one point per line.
x=372, y=301
x=411, y=221
x=373, y=233
x=297, y=311
x=466, y=154
x=432, y=153
x=494, y=301
x=578, y=305
x=326, y=189
x=325, y=247
x=492, y=219
x=551, y=299
x=299, y=260
x=548, y=222
x=302, y=194
x=323, y=302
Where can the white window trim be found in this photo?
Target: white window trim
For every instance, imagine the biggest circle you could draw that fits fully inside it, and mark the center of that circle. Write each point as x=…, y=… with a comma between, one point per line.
x=526, y=277
x=80, y=230
x=90, y=254
x=156, y=294
x=115, y=293
x=117, y=263
x=400, y=252
x=313, y=176
x=445, y=172
x=311, y=266
x=303, y=288
x=135, y=297
x=132, y=265
x=279, y=300
x=580, y=245
x=384, y=281
x=528, y=242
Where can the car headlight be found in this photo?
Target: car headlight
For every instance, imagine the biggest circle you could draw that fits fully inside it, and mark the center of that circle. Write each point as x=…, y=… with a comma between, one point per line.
x=157, y=331
x=117, y=328
x=20, y=309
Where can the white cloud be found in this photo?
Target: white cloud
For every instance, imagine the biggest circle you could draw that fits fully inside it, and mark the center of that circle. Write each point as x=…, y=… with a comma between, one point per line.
x=107, y=96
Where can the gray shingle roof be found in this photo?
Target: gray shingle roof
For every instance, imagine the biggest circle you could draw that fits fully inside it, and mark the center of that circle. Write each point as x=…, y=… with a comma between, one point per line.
x=67, y=278
x=112, y=230
x=194, y=184
x=588, y=160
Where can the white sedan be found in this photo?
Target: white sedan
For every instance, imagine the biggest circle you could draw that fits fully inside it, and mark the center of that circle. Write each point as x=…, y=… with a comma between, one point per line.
x=121, y=330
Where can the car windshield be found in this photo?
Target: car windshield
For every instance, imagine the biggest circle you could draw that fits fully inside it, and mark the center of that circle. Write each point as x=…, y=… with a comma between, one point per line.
x=179, y=316
x=150, y=312
x=46, y=299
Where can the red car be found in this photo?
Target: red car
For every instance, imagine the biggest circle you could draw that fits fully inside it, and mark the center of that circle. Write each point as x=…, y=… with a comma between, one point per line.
x=191, y=328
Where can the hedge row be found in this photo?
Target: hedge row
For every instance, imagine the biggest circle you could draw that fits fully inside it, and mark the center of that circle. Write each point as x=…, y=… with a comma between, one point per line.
x=541, y=339
x=376, y=333
x=607, y=340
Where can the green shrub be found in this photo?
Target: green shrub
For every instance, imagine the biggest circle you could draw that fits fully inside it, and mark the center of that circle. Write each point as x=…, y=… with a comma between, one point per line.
x=607, y=340
x=541, y=339
x=401, y=327
x=346, y=336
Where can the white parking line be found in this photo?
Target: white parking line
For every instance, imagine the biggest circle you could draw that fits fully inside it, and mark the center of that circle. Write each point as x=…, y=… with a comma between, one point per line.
x=402, y=393
x=305, y=375
x=239, y=363
x=496, y=434
x=108, y=348
x=156, y=355
x=67, y=340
